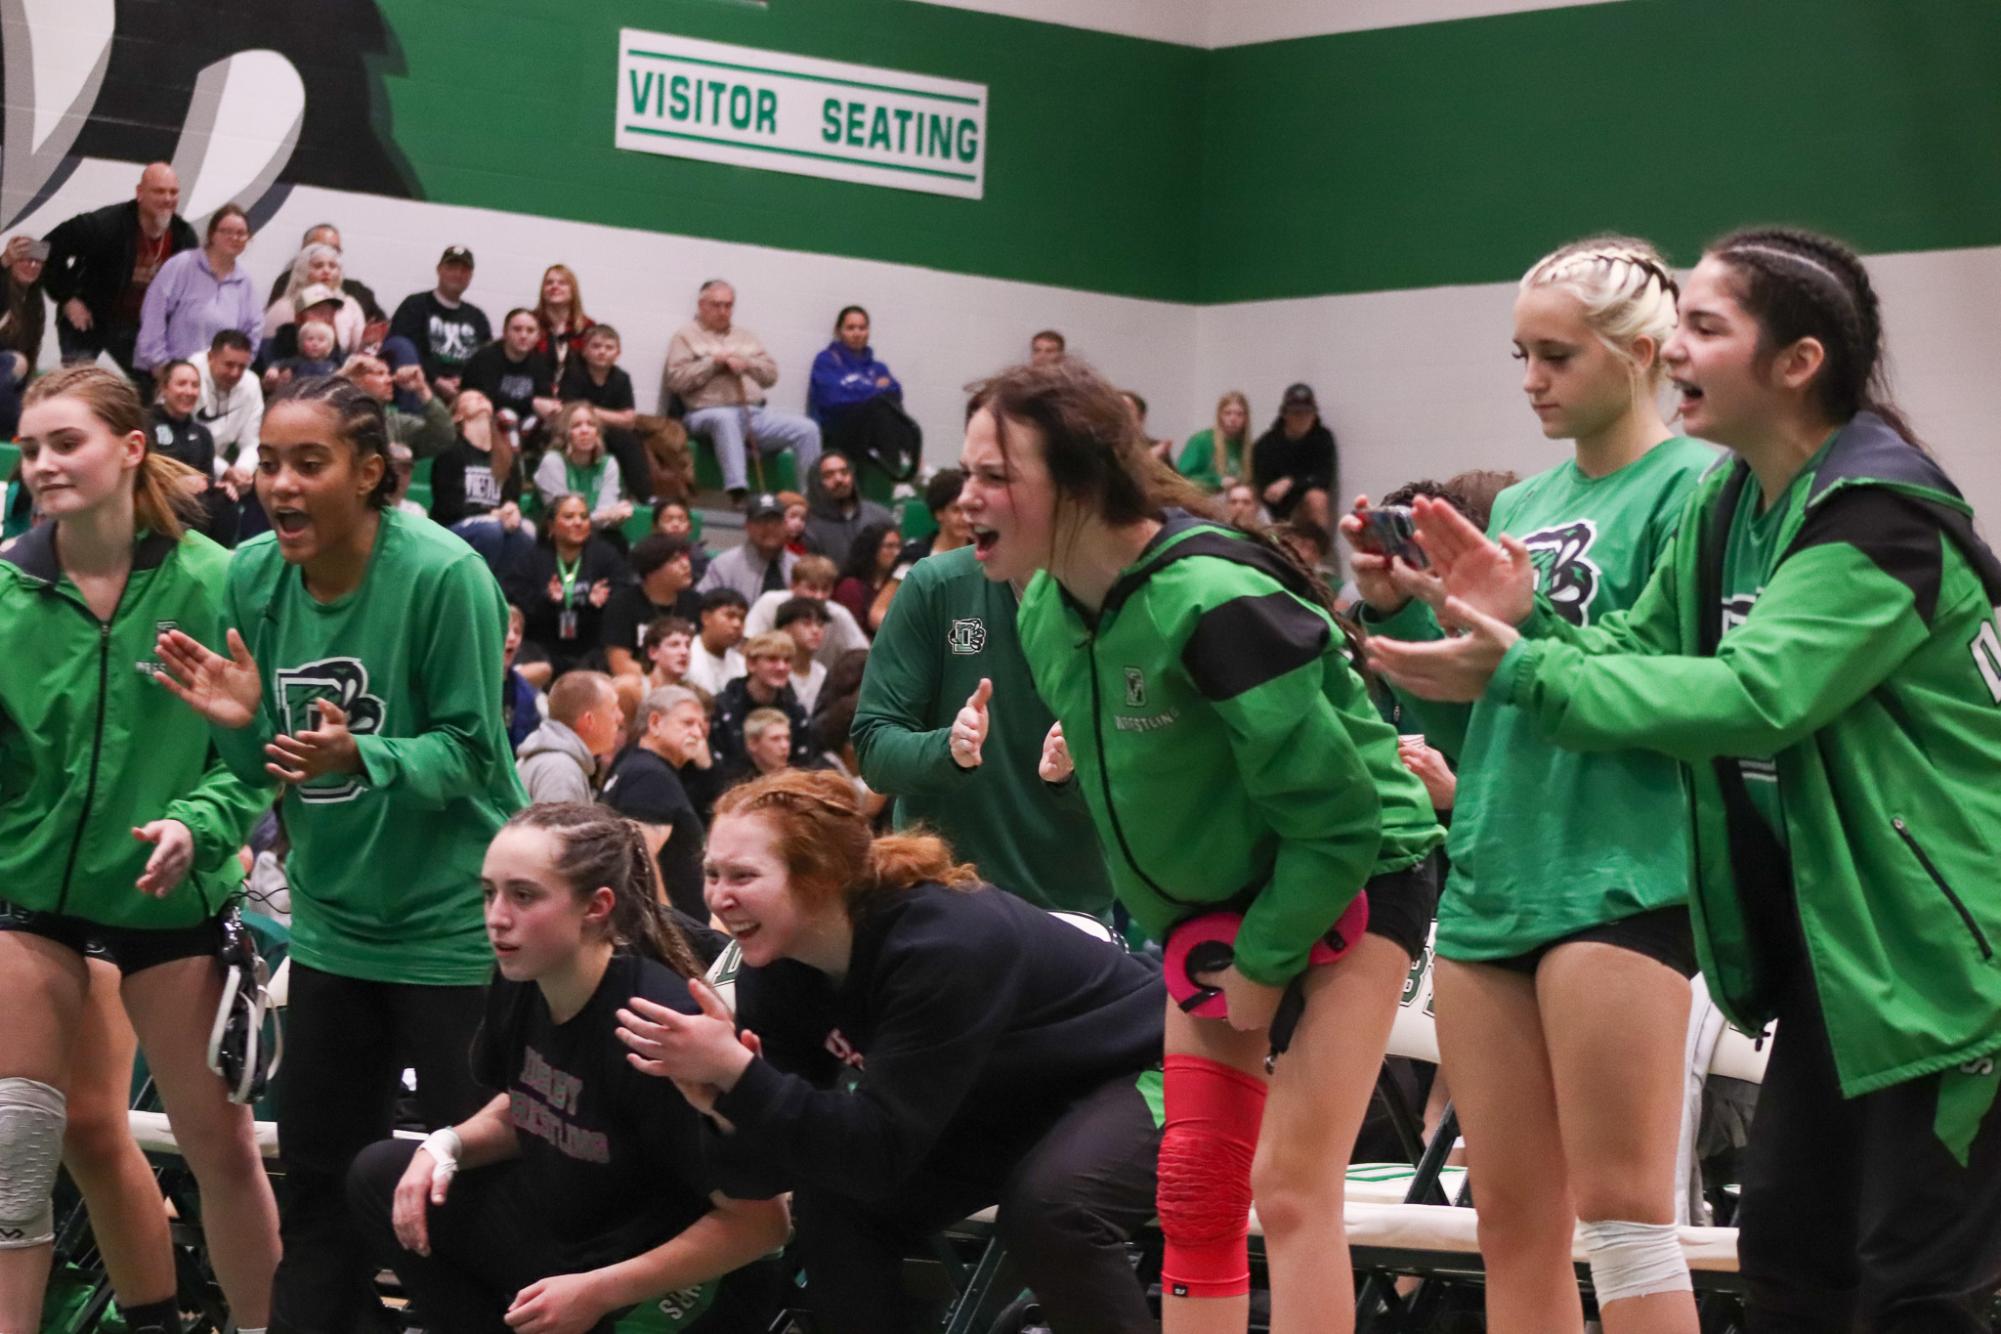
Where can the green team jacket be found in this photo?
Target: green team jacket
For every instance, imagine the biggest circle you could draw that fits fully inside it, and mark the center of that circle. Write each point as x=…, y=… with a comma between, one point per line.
x=384, y=867
x=948, y=626
x=90, y=747
x=1225, y=745
x=1869, y=670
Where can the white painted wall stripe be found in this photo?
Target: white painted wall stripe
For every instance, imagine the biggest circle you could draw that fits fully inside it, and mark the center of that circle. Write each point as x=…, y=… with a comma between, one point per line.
x=1220, y=23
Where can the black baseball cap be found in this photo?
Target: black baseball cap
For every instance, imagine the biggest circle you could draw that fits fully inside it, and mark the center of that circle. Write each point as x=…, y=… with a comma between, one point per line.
x=456, y=254
x=1298, y=396
x=764, y=505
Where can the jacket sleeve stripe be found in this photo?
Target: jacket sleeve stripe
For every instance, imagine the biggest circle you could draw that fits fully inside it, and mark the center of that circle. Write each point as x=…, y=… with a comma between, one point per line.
x=1248, y=641
x=1895, y=534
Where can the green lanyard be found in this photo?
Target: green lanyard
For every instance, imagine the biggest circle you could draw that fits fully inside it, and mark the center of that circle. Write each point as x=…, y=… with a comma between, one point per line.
x=569, y=575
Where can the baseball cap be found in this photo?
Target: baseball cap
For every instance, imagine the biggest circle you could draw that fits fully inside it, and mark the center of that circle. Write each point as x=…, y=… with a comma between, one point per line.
x=1298, y=396
x=313, y=294
x=764, y=505
x=456, y=254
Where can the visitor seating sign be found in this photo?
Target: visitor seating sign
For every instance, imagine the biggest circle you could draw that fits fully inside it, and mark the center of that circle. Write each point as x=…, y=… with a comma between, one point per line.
x=682, y=97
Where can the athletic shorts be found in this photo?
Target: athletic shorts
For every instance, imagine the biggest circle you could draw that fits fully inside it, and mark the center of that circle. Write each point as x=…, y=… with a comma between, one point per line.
x=133, y=949
x=1663, y=935
x=1402, y=904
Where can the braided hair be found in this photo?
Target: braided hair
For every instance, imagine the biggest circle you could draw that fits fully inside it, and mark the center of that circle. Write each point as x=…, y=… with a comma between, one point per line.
x=1799, y=284
x=360, y=422
x=598, y=847
x=1625, y=287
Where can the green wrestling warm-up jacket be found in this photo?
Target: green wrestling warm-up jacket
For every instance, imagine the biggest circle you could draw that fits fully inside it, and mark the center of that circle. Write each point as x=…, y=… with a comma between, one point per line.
x=1868, y=670
x=1225, y=745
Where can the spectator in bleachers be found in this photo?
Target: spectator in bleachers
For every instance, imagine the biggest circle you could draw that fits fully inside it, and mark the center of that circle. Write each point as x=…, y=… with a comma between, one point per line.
x=23, y=321
x=674, y=517
x=566, y=583
x=871, y=564
x=761, y=563
x=644, y=785
x=521, y=704
x=666, y=648
x=831, y=724
x=721, y=370
x=765, y=684
x=513, y=375
x=314, y=304
x=317, y=265
x=429, y=430
x=177, y=433
x=317, y=345
x=1215, y=458
x=813, y=577
x=836, y=511
x=664, y=586
x=1162, y=449
x=713, y=659
x=805, y=619
x=559, y=312
x=794, y=506
x=232, y=407
x=859, y=404
x=403, y=469
x=325, y=233
x=941, y=497
x=442, y=325
x=595, y=377
x=101, y=264
x=577, y=464
x=1295, y=464
x=1311, y=543
x=559, y=761
x=767, y=741
x=1046, y=347
x=1242, y=507
x=198, y=293
x=476, y=491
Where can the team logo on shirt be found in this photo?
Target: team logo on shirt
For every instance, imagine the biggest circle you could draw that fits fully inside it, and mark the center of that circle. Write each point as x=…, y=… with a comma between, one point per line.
x=151, y=666
x=1737, y=610
x=1564, y=573
x=1986, y=648
x=345, y=682
x=1135, y=688
x=967, y=636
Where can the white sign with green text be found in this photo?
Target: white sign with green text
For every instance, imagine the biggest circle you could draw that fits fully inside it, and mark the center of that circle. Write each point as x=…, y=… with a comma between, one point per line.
x=750, y=108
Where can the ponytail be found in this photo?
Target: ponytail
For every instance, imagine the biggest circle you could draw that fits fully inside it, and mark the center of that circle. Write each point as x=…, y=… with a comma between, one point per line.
x=599, y=848
x=163, y=499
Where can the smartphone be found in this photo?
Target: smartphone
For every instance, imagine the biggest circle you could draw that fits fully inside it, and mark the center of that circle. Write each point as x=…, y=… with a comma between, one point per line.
x=1389, y=530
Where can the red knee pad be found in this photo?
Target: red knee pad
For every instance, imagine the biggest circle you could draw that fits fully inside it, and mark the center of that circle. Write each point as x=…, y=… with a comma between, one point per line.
x=1203, y=1192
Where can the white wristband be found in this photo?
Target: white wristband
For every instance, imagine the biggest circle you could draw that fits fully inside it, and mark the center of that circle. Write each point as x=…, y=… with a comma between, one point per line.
x=444, y=1146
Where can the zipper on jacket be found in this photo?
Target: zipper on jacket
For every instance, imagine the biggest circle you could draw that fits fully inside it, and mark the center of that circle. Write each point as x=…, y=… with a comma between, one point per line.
x=1105, y=781
x=96, y=752
x=1959, y=905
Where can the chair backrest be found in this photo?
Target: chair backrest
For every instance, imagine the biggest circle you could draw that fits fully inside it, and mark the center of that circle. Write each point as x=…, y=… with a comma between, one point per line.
x=1414, y=1032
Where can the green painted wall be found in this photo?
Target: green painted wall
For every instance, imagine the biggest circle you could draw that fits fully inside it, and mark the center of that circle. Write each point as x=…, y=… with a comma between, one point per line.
x=1458, y=152
x=508, y=104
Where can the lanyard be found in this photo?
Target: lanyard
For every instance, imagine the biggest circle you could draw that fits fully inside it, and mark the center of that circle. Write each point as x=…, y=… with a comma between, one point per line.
x=569, y=575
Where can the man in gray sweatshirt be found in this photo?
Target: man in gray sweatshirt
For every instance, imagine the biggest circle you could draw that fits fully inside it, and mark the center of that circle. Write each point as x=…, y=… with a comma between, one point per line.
x=560, y=758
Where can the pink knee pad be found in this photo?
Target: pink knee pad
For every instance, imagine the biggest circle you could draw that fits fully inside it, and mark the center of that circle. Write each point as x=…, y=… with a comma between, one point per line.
x=1203, y=1192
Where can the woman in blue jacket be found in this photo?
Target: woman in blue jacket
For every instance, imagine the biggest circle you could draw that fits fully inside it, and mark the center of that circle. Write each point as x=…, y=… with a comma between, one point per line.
x=858, y=403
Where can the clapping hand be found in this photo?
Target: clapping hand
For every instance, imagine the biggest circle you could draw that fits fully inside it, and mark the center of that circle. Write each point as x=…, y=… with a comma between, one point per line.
x=226, y=691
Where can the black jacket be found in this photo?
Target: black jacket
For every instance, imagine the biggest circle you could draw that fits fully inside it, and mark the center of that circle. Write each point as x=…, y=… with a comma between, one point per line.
x=91, y=256
x=529, y=590
x=1310, y=461
x=183, y=439
x=733, y=708
x=967, y=1023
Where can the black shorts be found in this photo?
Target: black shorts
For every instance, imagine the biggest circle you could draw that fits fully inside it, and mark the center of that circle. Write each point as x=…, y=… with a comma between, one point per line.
x=1663, y=935
x=133, y=949
x=1402, y=904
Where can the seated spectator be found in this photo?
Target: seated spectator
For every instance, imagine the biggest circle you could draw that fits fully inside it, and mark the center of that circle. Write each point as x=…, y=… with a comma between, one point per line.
x=559, y=760
x=761, y=563
x=1215, y=457
x=871, y=564
x=1046, y=347
x=859, y=404
x=102, y=263
x=429, y=430
x=559, y=311
x=585, y=1192
x=325, y=233
x=836, y=512
x=767, y=741
x=721, y=370
x=941, y=497
x=522, y=705
x=442, y=325
x=670, y=731
x=179, y=434
x=1242, y=507
x=765, y=684
x=794, y=506
x=664, y=587
x=403, y=469
x=832, y=724
x=317, y=265
x=1160, y=449
x=676, y=519
x=316, y=345
x=199, y=293
x=1295, y=464
x=566, y=584
x=895, y=946
x=594, y=377
x=24, y=321
x=513, y=376
x=315, y=304
x=476, y=491
x=669, y=642
x=232, y=407
x=578, y=465
x=813, y=577
x=805, y=619
x=713, y=660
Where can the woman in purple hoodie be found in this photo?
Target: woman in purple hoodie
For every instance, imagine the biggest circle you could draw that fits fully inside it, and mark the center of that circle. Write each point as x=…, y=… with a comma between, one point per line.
x=858, y=403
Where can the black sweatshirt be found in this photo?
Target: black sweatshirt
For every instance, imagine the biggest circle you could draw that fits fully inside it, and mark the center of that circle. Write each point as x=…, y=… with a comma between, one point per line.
x=967, y=1023
x=1310, y=461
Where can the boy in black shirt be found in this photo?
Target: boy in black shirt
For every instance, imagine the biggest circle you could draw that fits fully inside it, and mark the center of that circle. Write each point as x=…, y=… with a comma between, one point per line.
x=513, y=375
x=666, y=587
